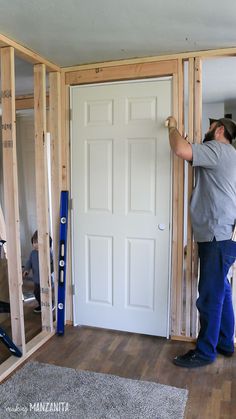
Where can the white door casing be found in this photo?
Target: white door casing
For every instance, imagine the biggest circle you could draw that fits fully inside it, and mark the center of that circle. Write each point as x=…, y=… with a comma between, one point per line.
x=121, y=190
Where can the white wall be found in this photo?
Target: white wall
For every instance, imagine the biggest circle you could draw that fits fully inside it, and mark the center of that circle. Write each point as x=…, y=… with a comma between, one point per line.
x=231, y=108
x=211, y=110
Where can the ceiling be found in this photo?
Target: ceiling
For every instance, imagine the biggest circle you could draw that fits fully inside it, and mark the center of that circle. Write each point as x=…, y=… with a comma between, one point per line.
x=71, y=32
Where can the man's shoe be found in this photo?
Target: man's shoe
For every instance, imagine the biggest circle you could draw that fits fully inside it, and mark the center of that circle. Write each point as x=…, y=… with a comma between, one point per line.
x=37, y=309
x=191, y=360
x=228, y=354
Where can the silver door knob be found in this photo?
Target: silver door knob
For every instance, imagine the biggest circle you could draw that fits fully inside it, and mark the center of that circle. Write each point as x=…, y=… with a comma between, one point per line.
x=161, y=226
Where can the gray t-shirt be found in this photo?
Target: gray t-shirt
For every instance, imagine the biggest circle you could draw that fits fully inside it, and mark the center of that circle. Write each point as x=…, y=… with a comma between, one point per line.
x=213, y=202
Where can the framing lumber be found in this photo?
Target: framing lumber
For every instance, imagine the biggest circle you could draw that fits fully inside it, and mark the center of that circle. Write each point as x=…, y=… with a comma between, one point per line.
x=228, y=52
x=177, y=211
x=42, y=196
x=198, y=99
x=121, y=72
x=189, y=256
x=27, y=54
x=27, y=102
x=183, y=338
x=134, y=71
x=11, y=196
x=180, y=205
x=65, y=152
x=55, y=142
x=174, y=244
x=7, y=367
x=197, y=139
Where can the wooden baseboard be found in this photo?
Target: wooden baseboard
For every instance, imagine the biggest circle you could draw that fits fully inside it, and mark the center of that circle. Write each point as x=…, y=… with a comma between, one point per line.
x=183, y=338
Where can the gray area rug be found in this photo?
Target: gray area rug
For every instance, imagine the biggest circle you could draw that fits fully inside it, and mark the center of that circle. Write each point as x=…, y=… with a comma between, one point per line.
x=46, y=391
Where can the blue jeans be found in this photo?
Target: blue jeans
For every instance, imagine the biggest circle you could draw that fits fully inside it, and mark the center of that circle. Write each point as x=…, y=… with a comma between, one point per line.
x=215, y=298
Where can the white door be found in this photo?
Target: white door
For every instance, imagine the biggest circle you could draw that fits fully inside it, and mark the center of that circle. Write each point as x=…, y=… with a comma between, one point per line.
x=121, y=205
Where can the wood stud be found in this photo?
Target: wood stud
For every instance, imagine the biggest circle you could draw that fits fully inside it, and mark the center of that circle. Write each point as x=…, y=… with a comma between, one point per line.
x=42, y=195
x=55, y=142
x=65, y=181
x=11, y=202
x=189, y=170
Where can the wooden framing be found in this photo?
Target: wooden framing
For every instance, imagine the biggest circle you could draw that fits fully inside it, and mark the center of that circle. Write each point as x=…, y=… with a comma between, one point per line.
x=12, y=363
x=121, y=72
x=177, y=210
x=183, y=322
x=224, y=52
x=128, y=71
x=11, y=195
x=143, y=71
x=27, y=102
x=65, y=178
x=55, y=142
x=194, y=135
x=189, y=250
x=27, y=54
x=198, y=99
x=9, y=49
x=42, y=195
x=183, y=296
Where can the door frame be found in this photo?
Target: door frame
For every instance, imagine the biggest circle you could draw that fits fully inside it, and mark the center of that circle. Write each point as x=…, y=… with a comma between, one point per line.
x=143, y=72
x=75, y=323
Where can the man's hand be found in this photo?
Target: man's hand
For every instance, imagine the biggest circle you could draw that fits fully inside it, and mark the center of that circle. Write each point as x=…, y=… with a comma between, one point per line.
x=25, y=274
x=171, y=122
x=178, y=144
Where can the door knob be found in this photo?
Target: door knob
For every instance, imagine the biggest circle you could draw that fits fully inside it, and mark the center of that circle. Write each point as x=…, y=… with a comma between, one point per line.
x=161, y=226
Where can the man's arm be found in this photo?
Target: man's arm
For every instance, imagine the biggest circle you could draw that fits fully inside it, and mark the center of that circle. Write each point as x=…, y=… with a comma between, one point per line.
x=178, y=144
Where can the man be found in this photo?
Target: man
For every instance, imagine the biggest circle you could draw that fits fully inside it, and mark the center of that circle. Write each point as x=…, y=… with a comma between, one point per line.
x=213, y=216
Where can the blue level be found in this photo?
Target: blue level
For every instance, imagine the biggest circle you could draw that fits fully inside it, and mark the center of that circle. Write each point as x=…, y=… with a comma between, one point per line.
x=62, y=263
x=9, y=344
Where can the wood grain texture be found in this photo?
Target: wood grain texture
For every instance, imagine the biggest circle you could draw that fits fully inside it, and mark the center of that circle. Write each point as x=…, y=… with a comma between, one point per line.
x=121, y=72
x=11, y=201
x=42, y=202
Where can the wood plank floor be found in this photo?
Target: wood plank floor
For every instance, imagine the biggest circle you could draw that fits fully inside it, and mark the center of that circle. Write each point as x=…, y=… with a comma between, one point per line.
x=212, y=389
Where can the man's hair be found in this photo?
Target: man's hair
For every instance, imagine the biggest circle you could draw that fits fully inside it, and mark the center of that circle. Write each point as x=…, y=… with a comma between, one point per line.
x=229, y=127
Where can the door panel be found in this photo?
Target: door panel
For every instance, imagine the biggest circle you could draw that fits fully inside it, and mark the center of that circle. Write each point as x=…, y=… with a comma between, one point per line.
x=121, y=193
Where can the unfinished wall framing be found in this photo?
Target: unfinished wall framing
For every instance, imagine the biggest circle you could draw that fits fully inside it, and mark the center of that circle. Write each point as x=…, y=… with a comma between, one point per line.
x=11, y=195
x=10, y=174
x=184, y=281
x=141, y=70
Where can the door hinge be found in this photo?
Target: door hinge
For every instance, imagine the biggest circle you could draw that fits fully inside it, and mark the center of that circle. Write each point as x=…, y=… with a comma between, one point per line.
x=73, y=289
x=71, y=203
